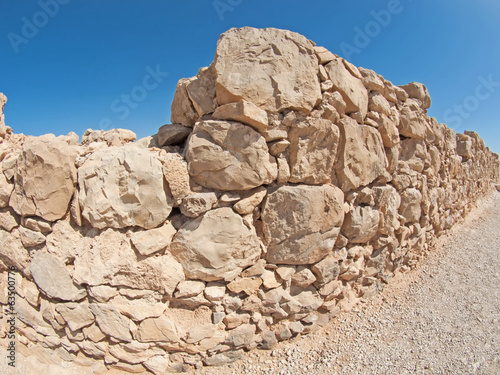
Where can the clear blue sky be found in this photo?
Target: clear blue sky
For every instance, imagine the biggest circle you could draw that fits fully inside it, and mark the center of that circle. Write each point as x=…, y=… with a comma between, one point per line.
x=66, y=68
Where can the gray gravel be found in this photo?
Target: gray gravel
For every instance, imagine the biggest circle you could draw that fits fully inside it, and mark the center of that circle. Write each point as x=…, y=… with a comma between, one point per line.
x=442, y=318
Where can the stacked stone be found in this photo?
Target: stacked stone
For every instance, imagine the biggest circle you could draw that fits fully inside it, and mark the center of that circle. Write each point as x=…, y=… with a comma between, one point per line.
x=291, y=185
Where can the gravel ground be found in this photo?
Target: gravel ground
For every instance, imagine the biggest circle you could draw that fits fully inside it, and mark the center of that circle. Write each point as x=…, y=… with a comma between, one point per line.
x=442, y=318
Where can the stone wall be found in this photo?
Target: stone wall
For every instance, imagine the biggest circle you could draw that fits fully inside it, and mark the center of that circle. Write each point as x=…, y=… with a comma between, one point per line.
x=290, y=185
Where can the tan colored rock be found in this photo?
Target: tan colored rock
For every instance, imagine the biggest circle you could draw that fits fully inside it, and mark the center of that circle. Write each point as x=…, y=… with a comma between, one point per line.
x=76, y=316
x=198, y=333
x=241, y=336
x=389, y=131
x=248, y=204
x=324, y=56
x=274, y=69
x=413, y=120
x=182, y=110
x=351, y=88
x=214, y=245
x=159, y=329
x=379, y=104
x=326, y=270
x=197, y=204
x=111, y=322
x=6, y=189
x=139, y=310
x=201, y=91
x=37, y=224
x=269, y=280
x=361, y=224
x=151, y=241
x=245, y=112
x=44, y=189
x=303, y=277
x=313, y=149
x=418, y=91
x=30, y=238
x=176, y=173
x=171, y=134
x=93, y=333
x=387, y=201
x=410, y=205
x=8, y=219
x=118, y=137
x=361, y=155
x=229, y=156
x=301, y=223
x=414, y=153
x=189, y=288
x=464, y=146
x=157, y=364
x=372, y=80
x=247, y=285
x=102, y=293
x=53, y=279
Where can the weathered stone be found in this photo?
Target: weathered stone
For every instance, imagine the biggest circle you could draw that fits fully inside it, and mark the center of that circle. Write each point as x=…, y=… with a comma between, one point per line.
x=6, y=189
x=44, y=189
x=102, y=293
x=379, y=104
x=269, y=340
x=229, y=156
x=176, y=173
x=389, y=131
x=388, y=201
x=326, y=270
x=247, y=285
x=189, y=288
x=371, y=80
x=464, y=146
x=313, y=148
x=197, y=204
x=157, y=330
x=241, y=336
x=198, y=333
x=111, y=322
x=157, y=364
x=153, y=240
x=52, y=277
x=30, y=238
x=323, y=54
x=121, y=187
x=301, y=223
x=361, y=224
x=413, y=122
x=182, y=110
x=215, y=291
x=214, y=245
x=248, y=204
x=37, y=224
x=274, y=69
x=133, y=355
x=414, y=153
x=201, y=91
x=410, y=205
x=76, y=316
x=351, y=88
x=269, y=280
x=361, y=155
x=8, y=219
x=138, y=310
x=245, y=112
x=418, y=91
x=171, y=134
x=303, y=277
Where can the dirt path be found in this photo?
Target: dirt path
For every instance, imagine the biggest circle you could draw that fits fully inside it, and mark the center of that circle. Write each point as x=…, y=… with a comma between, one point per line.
x=442, y=318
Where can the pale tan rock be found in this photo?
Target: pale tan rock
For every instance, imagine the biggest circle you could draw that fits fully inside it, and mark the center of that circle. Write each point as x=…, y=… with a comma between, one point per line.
x=324, y=56
x=323, y=75
x=122, y=187
x=234, y=320
x=351, y=88
x=283, y=171
x=172, y=134
x=241, y=336
x=53, y=279
x=37, y=224
x=215, y=291
x=76, y=316
x=313, y=149
x=30, y=238
x=6, y=189
x=247, y=285
x=361, y=155
x=372, y=80
x=126, y=354
x=93, y=333
x=157, y=364
x=197, y=204
x=214, y=244
x=118, y=137
x=418, y=91
x=189, y=288
x=159, y=329
x=111, y=322
x=176, y=173
x=278, y=147
x=248, y=204
x=229, y=156
x=182, y=110
x=8, y=219
x=138, y=310
x=361, y=224
x=327, y=85
x=389, y=131
x=201, y=91
x=151, y=241
x=379, y=104
x=32, y=317
x=30, y=292
x=44, y=189
x=200, y=332
x=254, y=65
x=464, y=146
x=410, y=205
x=245, y=112
x=326, y=270
x=388, y=201
x=103, y=293
x=303, y=277
x=285, y=272
x=413, y=121
x=301, y=223
x=414, y=153
x=269, y=280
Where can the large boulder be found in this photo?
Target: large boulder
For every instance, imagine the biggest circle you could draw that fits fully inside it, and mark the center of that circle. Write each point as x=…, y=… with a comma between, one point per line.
x=274, y=69
x=413, y=123
x=45, y=178
x=351, y=88
x=313, y=149
x=123, y=186
x=215, y=245
x=361, y=224
x=410, y=207
x=417, y=90
x=229, y=156
x=361, y=155
x=414, y=152
x=301, y=223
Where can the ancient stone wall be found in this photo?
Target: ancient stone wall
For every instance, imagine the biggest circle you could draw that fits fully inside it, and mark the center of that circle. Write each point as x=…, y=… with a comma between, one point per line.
x=290, y=185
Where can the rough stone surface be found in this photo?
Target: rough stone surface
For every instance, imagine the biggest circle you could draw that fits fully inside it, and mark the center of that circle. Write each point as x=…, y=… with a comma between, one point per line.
x=153, y=240
x=301, y=223
x=229, y=156
x=122, y=187
x=361, y=224
x=254, y=65
x=171, y=134
x=214, y=245
x=111, y=322
x=244, y=112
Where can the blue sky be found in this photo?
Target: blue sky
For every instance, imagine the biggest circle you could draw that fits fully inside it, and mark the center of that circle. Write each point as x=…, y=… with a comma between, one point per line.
x=69, y=65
